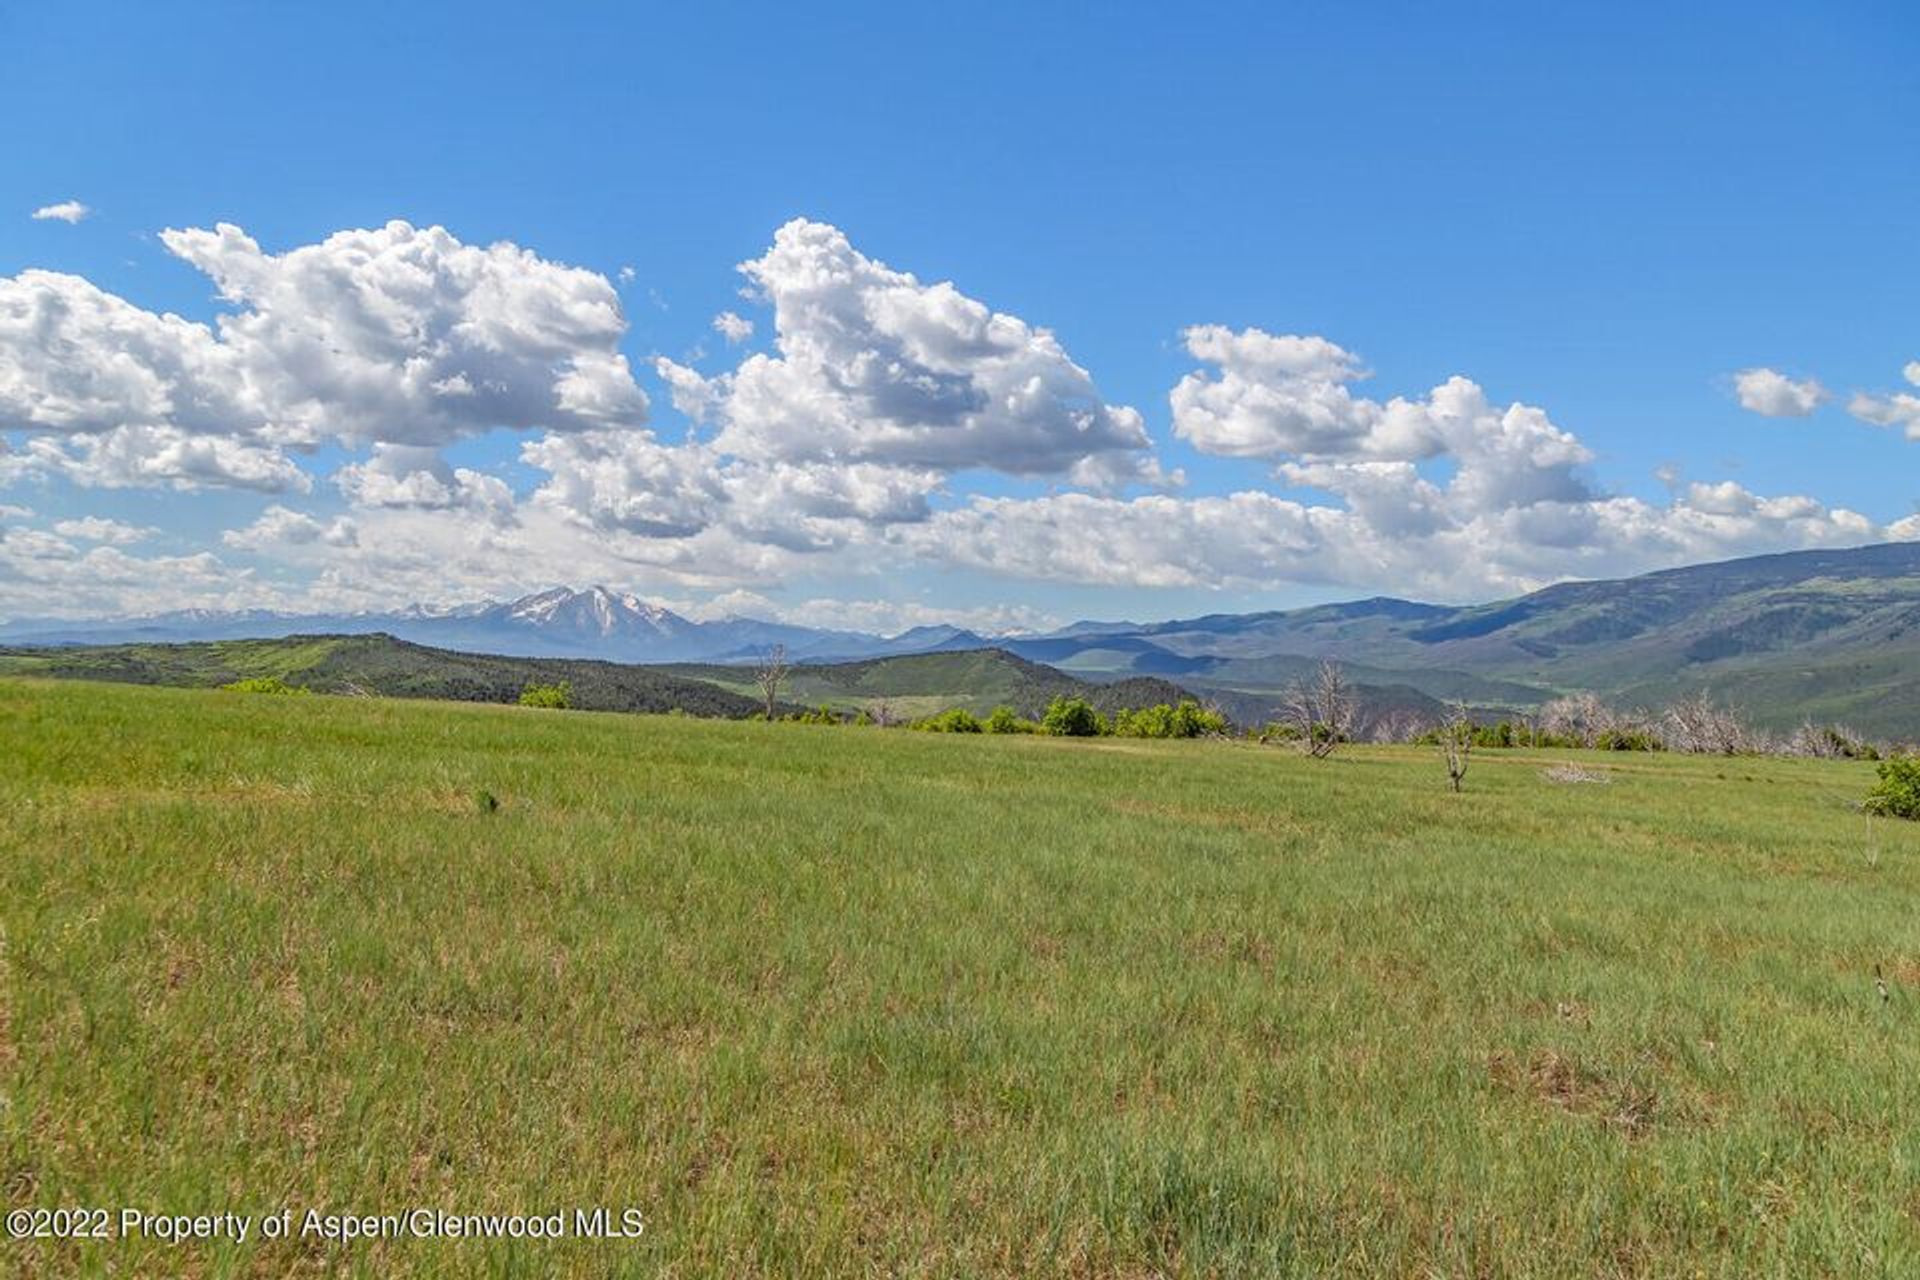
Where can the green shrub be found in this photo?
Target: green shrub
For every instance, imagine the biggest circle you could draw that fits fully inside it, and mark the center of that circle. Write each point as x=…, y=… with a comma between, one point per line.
x=1006, y=720
x=1897, y=794
x=1628, y=740
x=265, y=684
x=1073, y=718
x=1188, y=720
x=958, y=720
x=822, y=714
x=555, y=696
x=1501, y=735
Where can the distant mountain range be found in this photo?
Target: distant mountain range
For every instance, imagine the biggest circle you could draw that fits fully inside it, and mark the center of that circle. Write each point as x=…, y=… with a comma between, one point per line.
x=613, y=626
x=1823, y=635
x=1831, y=635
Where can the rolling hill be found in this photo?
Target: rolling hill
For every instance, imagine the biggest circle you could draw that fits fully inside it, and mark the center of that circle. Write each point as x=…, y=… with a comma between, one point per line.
x=921, y=684
x=380, y=665
x=1833, y=635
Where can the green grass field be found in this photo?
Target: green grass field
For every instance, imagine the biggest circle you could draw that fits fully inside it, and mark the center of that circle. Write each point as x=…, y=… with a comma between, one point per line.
x=831, y=1001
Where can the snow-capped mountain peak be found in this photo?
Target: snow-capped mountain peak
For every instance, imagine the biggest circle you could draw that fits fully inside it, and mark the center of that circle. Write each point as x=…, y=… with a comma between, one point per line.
x=594, y=611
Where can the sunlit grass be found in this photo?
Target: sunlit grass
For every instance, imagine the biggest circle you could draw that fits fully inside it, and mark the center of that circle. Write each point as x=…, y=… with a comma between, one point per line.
x=832, y=1001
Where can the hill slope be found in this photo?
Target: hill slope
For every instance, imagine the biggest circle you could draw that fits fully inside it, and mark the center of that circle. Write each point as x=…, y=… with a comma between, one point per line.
x=1830, y=634
x=921, y=684
x=978, y=679
x=380, y=664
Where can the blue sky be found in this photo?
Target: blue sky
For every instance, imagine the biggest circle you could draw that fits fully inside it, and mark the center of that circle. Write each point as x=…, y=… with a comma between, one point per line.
x=1605, y=212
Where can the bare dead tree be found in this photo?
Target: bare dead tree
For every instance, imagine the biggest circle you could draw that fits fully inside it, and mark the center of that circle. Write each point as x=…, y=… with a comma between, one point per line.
x=1699, y=725
x=769, y=675
x=1455, y=741
x=1815, y=741
x=880, y=711
x=1297, y=708
x=1825, y=742
x=1578, y=717
x=1397, y=725
x=1321, y=710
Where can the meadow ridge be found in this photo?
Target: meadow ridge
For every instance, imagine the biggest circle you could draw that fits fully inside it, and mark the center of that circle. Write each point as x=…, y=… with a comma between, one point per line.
x=824, y=1001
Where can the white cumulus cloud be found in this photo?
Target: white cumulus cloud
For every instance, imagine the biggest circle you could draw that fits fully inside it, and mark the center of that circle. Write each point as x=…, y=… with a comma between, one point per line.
x=1256, y=540
x=67, y=211
x=1277, y=395
x=397, y=335
x=1773, y=394
x=280, y=527
x=839, y=452
x=1899, y=409
x=733, y=327
x=134, y=457
x=415, y=476
x=872, y=365
x=100, y=529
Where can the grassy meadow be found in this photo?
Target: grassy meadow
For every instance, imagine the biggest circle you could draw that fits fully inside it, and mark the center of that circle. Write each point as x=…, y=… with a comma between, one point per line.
x=832, y=1001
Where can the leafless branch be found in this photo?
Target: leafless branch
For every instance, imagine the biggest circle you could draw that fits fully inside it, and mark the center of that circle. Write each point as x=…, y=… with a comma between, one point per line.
x=769, y=675
x=1320, y=710
x=1455, y=740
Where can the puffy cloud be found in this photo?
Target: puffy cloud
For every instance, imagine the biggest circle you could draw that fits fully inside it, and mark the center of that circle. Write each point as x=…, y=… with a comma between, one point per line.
x=836, y=452
x=734, y=328
x=8, y=511
x=876, y=617
x=628, y=481
x=158, y=456
x=383, y=557
x=698, y=397
x=42, y=574
x=1277, y=395
x=1286, y=397
x=815, y=507
x=1516, y=512
x=880, y=388
x=1509, y=457
x=67, y=211
x=1254, y=540
x=874, y=366
x=100, y=529
x=280, y=527
x=410, y=476
x=1900, y=409
x=1773, y=394
x=74, y=358
x=399, y=335
x=405, y=335
x=18, y=546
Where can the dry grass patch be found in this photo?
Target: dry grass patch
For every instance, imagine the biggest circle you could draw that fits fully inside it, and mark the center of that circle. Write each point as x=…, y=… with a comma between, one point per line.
x=1562, y=1081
